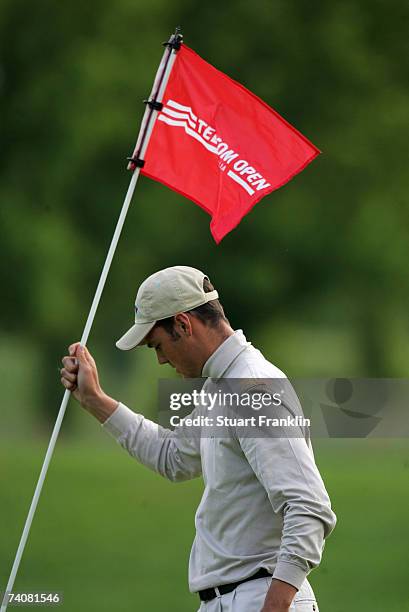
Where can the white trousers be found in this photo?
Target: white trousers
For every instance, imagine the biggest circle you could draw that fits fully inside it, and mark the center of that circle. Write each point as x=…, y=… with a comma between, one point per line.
x=249, y=597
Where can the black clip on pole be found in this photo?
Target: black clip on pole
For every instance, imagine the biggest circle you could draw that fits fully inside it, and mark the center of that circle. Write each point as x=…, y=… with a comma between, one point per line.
x=175, y=40
x=136, y=162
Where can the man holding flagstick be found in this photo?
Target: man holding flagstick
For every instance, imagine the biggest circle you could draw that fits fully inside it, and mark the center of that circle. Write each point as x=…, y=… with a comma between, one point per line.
x=207, y=137
x=261, y=524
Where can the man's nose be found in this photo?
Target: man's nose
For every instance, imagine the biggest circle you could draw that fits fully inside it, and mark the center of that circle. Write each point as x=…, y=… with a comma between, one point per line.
x=161, y=359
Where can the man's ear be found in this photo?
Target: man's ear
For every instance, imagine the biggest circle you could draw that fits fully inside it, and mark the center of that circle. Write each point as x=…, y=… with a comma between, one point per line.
x=183, y=323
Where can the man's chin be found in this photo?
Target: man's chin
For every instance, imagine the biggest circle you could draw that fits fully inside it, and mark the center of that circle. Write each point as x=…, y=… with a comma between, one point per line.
x=184, y=375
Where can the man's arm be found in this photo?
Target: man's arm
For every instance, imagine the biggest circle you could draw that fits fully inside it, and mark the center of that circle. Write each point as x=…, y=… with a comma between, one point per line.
x=279, y=597
x=284, y=464
x=286, y=469
x=170, y=453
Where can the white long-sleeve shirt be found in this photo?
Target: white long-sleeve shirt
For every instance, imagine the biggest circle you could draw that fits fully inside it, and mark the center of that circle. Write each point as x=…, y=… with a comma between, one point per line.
x=264, y=503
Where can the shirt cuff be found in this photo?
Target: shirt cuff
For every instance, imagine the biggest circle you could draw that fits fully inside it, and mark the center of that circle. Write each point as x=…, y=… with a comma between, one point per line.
x=120, y=421
x=291, y=573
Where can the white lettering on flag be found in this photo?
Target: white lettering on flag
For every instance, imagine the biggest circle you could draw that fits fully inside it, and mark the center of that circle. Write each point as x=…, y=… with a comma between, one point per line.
x=240, y=181
x=228, y=156
x=179, y=115
x=187, y=109
x=192, y=133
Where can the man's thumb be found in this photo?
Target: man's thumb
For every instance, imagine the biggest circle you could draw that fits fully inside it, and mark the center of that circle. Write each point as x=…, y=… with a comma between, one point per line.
x=80, y=353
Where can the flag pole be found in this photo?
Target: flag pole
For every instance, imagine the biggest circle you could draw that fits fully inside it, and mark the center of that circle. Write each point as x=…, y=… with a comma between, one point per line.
x=136, y=162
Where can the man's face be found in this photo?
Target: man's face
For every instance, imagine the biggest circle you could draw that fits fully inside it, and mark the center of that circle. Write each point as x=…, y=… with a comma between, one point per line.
x=178, y=353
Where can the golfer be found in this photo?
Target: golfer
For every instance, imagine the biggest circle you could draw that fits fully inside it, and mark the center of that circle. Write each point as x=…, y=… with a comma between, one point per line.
x=264, y=514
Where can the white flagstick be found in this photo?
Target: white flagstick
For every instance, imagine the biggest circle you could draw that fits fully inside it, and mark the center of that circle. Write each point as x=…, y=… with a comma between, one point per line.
x=148, y=122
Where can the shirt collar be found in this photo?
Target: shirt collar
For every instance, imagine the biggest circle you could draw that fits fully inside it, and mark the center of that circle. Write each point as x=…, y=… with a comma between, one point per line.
x=224, y=355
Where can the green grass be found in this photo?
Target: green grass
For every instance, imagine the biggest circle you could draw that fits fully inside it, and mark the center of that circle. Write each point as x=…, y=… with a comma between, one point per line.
x=113, y=536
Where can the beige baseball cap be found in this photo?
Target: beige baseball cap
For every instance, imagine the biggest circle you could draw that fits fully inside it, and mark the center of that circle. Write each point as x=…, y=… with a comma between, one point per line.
x=162, y=295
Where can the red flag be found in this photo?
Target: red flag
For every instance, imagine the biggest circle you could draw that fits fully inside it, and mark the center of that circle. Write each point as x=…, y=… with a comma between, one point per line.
x=219, y=145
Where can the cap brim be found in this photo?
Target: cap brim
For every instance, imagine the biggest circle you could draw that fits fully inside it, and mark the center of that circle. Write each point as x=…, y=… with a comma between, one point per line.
x=134, y=336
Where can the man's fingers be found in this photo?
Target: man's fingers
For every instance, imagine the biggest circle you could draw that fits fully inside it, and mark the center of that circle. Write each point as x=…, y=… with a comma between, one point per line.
x=70, y=376
x=80, y=354
x=68, y=384
x=72, y=349
x=79, y=359
x=79, y=363
x=70, y=364
x=84, y=358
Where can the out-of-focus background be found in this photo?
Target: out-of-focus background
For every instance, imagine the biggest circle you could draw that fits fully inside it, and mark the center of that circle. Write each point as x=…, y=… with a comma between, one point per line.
x=316, y=275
